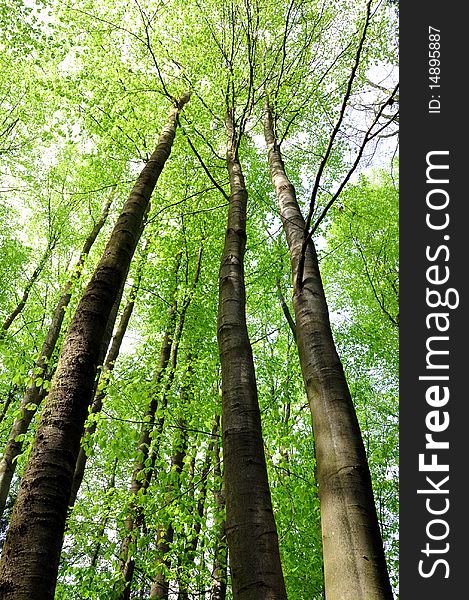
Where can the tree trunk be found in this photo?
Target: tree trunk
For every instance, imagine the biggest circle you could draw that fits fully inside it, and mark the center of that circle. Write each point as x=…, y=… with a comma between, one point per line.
x=190, y=548
x=139, y=482
x=101, y=388
x=220, y=561
x=27, y=290
x=354, y=563
x=251, y=532
x=160, y=586
x=34, y=392
x=31, y=553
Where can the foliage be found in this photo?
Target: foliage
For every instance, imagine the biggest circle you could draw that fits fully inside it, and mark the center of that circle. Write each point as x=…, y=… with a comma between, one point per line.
x=86, y=87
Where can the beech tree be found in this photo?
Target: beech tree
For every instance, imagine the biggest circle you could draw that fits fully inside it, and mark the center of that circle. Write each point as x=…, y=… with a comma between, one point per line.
x=251, y=531
x=35, y=390
x=63, y=421
x=163, y=448
x=351, y=545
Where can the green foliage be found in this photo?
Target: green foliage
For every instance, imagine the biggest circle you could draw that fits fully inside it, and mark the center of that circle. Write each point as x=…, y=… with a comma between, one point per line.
x=86, y=88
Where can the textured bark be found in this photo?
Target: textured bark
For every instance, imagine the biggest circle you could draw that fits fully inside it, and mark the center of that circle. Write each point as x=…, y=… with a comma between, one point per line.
x=101, y=388
x=250, y=526
x=27, y=290
x=31, y=552
x=354, y=563
x=34, y=392
x=220, y=561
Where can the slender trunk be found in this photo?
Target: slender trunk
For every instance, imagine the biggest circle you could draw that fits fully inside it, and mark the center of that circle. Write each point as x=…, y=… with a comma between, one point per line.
x=32, y=548
x=27, y=290
x=193, y=536
x=141, y=472
x=158, y=426
x=6, y=405
x=251, y=532
x=160, y=585
x=220, y=561
x=101, y=388
x=286, y=310
x=151, y=432
x=354, y=563
x=220, y=567
x=105, y=520
x=35, y=390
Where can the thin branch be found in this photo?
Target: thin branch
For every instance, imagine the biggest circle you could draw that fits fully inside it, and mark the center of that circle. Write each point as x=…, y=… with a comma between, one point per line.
x=286, y=310
x=204, y=166
x=336, y=129
x=379, y=300
x=370, y=135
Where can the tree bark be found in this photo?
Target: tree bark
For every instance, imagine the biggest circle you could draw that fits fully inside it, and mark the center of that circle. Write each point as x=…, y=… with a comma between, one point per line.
x=354, y=562
x=251, y=532
x=30, y=559
x=34, y=392
x=101, y=388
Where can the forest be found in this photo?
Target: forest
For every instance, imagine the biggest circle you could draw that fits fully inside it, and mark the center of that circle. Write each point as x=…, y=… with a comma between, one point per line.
x=199, y=285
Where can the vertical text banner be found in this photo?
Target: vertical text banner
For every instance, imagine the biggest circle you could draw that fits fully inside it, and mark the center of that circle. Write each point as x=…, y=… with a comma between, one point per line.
x=434, y=356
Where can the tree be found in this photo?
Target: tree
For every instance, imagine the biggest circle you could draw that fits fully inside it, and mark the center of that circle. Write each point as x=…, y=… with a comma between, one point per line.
x=61, y=427
x=352, y=546
x=37, y=388
x=107, y=367
x=150, y=510
x=250, y=525
x=362, y=248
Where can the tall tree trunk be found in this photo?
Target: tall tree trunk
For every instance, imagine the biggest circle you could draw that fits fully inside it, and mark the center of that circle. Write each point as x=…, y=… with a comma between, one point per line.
x=31, y=552
x=35, y=392
x=251, y=532
x=220, y=561
x=27, y=290
x=101, y=388
x=192, y=541
x=354, y=563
